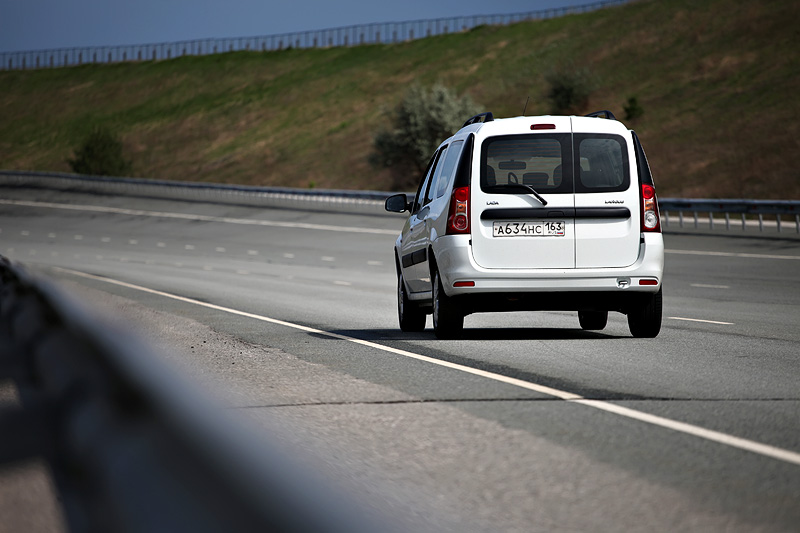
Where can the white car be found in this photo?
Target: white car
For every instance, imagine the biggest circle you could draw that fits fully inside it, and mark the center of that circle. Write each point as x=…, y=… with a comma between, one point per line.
x=532, y=213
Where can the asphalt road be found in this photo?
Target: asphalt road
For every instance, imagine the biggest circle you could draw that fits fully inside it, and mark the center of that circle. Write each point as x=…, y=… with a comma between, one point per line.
x=526, y=424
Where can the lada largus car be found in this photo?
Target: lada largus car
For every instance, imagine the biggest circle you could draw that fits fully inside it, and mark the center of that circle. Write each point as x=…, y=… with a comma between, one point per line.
x=532, y=213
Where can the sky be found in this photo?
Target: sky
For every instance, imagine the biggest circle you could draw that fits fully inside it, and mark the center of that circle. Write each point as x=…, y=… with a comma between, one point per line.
x=44, y=24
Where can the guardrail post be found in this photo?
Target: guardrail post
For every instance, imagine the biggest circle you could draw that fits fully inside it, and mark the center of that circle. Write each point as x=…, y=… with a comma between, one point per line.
x=680, y=218
x=760, y=222
x=666, y=218
x=711, y=220
x=778, y=221
x=797, y=222
x=744, y=224
x=727, y=221
x=696, y=225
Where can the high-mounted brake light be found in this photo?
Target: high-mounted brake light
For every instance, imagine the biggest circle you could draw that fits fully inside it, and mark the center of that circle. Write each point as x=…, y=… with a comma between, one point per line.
x=543, y=126
x=651, y=221
x=458, y=217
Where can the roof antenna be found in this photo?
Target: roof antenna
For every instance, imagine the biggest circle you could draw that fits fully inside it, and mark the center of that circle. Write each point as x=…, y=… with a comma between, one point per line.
x=526, y=106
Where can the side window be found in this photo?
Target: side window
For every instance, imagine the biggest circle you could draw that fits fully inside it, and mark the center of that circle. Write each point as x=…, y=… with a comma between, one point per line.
x=448, y=168
x=602, y=163
x=436, y=173
x=425, y=183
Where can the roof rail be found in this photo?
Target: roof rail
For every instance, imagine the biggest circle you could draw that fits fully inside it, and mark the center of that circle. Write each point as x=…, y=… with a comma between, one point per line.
x=487, y=117
x=603, y=114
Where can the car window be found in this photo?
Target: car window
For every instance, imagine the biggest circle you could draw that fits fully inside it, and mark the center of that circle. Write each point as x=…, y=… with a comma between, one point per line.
x=444, y=179
x=436, y=173
x=425, y=183
x=602, y=163
x=537, y=160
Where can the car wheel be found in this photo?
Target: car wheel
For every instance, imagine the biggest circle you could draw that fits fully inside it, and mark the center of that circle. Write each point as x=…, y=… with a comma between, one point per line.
x=448, y=322
x=593, y=320
x=644, y=318
x=411, y=317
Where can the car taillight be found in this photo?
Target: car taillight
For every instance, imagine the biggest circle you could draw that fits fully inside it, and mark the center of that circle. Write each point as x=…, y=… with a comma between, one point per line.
x=650, y=219
x=458, y=218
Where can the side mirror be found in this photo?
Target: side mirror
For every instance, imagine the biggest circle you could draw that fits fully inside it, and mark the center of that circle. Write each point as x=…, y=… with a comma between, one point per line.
x=397, y=203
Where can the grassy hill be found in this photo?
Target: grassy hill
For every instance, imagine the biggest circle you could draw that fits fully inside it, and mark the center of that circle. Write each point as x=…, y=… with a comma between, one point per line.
x=719, y=82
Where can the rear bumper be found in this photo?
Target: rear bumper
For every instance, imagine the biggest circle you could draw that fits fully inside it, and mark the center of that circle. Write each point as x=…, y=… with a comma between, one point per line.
x=454, y=259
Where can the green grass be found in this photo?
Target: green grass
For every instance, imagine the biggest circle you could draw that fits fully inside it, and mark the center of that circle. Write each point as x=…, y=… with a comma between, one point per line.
x=718, y=81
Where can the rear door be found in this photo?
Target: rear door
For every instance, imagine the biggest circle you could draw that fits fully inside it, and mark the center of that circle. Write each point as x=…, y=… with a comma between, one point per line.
x=414, y=239
x=607, y=197
x=511, y=229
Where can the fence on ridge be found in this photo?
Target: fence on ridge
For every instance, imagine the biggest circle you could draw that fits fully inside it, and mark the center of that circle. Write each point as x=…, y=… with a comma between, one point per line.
x=375, y=33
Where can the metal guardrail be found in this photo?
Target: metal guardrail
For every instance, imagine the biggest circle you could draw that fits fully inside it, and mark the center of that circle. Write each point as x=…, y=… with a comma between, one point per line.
x=365, y=202
x=376, y=33
x=728, y=207
x=130, y=447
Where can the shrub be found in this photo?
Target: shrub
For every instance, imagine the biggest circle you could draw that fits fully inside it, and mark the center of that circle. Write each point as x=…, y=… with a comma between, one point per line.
x=422, y=120
x=633, y=110
x=569, y=90
x=100, y=154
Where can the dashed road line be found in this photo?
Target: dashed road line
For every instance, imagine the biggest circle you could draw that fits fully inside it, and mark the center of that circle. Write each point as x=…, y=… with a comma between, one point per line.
x=220, y=249
x=342, y=283
x=375, y=263
x=328, y=258
x=133, y=241
x=288, y=256
x=189, y=247
x=105, y=239
x=161, y=244
x=659, y=421
x=732, y=254
x=707, y=286
x=24, y=233
x=252, y=252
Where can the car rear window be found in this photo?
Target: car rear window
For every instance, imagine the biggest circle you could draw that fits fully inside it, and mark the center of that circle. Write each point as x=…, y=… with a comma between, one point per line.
x=536, y=160
x=601, y=163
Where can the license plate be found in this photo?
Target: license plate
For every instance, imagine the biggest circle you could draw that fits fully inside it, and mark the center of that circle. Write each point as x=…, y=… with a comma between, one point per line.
x=551, y=228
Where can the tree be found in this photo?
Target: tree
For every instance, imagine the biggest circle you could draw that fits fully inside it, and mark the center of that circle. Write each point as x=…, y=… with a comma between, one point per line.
x=422, y=120
x=569, y=90
x=100, y=155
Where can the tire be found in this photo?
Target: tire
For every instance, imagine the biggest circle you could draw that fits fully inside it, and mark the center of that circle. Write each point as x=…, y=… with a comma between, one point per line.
x=593, y=320
x=448, y=322
x=411, y=317
x=644, y=318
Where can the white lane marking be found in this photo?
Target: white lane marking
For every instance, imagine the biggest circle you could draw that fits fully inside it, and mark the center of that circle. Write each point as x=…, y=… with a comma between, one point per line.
x=732, y=254
x=207, y=267
x=706, y=286
x=189, y=246
x=206, y=218
x=51, y=235
x=288, y=256
x=105, y=239
x=243, y=272
x=24, y=233
x=689, y=429
x=54, y=254
x=699, y=320
x=78, y=237
x=161, y=244
x=375, y=263
x=99, y=257
x=220, y=249
x=328, y=258
x=133, y=241
x=252, y=252
x=31, y=252
x=342, y=283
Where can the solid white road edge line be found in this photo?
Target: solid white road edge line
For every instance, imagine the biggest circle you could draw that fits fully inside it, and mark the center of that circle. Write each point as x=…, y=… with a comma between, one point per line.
x=699, y=320
x=205, y=218
x=689, y=429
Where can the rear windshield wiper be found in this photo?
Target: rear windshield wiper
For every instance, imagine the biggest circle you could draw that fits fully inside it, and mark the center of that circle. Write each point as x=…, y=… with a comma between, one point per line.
x=519, y=186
